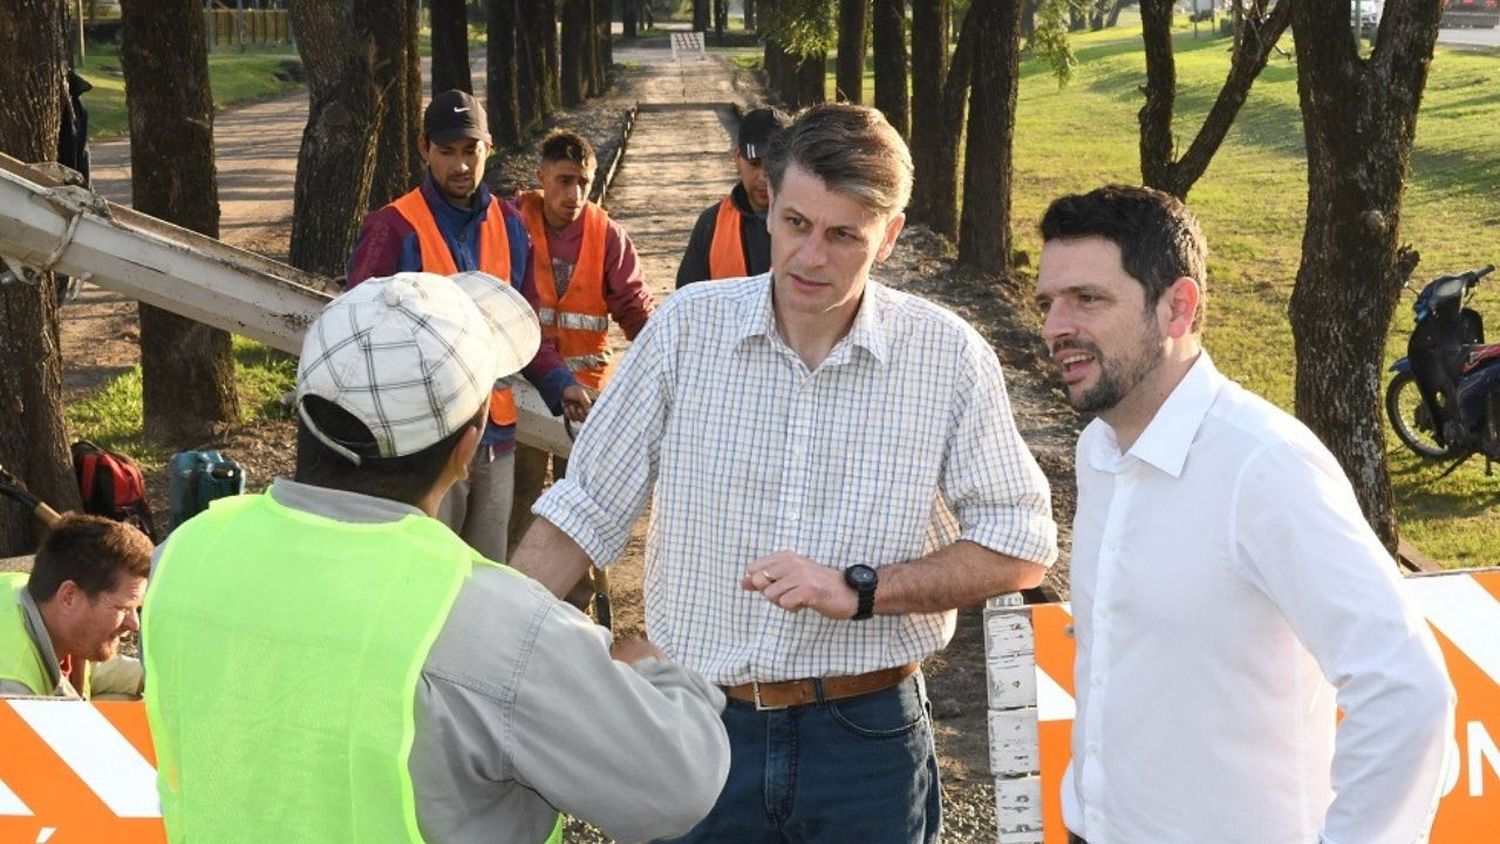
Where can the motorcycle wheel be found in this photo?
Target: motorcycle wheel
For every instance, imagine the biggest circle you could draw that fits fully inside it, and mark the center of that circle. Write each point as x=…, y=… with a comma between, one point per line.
x=1411, y=420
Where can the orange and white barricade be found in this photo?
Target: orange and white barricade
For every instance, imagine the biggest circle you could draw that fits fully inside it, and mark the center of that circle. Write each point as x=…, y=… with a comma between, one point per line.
x=1029, y=651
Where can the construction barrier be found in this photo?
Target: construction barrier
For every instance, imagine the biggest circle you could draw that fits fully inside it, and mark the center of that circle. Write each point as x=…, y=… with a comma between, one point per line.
x=1029, y=651
x=85, y=772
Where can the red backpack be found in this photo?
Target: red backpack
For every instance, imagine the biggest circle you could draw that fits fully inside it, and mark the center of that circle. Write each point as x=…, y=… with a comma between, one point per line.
x=112, y=486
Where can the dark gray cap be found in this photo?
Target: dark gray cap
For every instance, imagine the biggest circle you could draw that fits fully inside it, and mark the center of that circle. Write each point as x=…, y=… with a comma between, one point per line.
x=757, y=128
x=452, y=115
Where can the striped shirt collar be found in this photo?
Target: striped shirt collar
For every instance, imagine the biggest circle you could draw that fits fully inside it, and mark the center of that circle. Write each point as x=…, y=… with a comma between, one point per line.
x=868, y=332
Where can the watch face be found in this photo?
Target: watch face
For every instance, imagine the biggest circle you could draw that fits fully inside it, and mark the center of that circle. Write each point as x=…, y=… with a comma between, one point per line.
x=860, y=577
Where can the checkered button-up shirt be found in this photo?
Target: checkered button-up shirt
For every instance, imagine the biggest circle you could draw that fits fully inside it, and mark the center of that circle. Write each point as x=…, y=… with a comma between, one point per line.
x=897, y=444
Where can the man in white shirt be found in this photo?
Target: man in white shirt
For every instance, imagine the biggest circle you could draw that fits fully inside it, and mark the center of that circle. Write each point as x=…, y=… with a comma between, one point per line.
x=834, y=468
x=1223, y=576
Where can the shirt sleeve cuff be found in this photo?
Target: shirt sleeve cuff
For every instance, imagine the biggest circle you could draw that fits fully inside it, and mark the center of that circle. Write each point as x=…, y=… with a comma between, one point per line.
x=568, y=507
x=1025, y=536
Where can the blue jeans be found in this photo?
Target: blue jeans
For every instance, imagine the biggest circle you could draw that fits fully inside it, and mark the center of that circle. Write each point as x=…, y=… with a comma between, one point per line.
x=859, y=769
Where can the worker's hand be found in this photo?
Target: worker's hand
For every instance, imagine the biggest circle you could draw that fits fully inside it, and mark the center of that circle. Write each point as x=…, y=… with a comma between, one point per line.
x=793, y=582
x=576, y=403
x=633, y=650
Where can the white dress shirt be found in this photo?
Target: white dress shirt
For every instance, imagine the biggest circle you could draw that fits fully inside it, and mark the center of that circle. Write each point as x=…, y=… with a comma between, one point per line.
x=1227, y=597
x=897, y=444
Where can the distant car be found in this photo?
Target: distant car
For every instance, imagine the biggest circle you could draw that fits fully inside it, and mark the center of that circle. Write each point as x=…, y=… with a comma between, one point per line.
x=1471, y=13
x=1368, y=12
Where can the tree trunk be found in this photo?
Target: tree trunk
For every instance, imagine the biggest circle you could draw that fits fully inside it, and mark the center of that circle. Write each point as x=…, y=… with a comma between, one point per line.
x=700, y=15
x=752, y=19
x=1113, y=17
x=501, y=73
x=850, y=66
x=629, y=17
x=575, y=34
x=1359, y=117
x=1262, y=29
x=337, y=157
x=450, y=46
x=33, y=439
x=941, y=210
x=536, y=55
x=890, y=63
x=721, y=19
x=415, y=166
x=605, y=18
x=984, y=239
x=929, y=68
x=187, y=368
x=590, y=39
x=806, y=80
x=391, y=27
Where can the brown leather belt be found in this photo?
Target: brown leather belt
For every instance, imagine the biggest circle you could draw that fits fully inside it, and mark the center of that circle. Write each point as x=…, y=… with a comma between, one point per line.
x=789, y=693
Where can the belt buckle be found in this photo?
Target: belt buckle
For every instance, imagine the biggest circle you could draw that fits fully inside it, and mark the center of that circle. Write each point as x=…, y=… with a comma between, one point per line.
x=759, y=706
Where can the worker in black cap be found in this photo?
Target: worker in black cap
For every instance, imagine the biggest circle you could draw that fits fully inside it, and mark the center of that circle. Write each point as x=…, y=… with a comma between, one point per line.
x=730, y=239
x=452, y=224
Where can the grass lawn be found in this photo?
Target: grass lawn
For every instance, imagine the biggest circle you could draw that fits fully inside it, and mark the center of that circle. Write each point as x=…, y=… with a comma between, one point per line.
x=235, y=77
x=1252, y=203
x=112, y=416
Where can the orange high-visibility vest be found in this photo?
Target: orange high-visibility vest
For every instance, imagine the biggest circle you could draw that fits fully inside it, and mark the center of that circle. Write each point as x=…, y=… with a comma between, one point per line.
x=726, y=256
x=494, y=258
x=579, y=322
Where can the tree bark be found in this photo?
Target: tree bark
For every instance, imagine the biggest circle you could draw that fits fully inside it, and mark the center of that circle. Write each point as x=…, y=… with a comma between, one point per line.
x=187, y=368
x=630, y=18
x=940, y=211
x=33, y=439
x=929, y=69
x=415, y=166
x=450, y=46
x=536, y=56
x=337, y=158
x=605, y=19
x=849, y=74
x=890, y=63
x=1113, y=17
x=575, y=34
x=1359, y=117
x=700, y=15
x=392, y=26
x=721, y=18
x=591, y=58
x=502, y=73
x=752, y=18
x=984, y=239
x=1159, y=169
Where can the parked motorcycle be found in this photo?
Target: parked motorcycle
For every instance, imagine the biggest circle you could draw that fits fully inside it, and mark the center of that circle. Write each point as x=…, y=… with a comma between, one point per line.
x=1444, y=401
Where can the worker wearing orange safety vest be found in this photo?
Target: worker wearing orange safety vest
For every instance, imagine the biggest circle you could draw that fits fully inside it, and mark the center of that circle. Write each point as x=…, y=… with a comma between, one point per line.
x=586, y=273
x=730, y=239
x=449, y=224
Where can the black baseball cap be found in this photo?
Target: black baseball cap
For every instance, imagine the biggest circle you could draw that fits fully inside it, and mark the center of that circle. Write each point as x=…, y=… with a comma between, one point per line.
x=452, y=115
x=756, y=129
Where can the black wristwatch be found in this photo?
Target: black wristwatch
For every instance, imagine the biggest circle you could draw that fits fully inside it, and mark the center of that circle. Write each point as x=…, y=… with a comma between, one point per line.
x=863, y=580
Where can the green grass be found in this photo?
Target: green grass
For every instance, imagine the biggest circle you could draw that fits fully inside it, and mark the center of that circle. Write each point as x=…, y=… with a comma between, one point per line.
x=235, y=77
x=1252, y=203
x=111, y=417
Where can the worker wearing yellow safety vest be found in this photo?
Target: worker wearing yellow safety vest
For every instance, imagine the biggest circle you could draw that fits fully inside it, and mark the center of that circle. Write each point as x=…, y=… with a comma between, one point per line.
x=327, y=662
x=452, y=223
x=730, y=239
x=586, y=272
x=61, y=625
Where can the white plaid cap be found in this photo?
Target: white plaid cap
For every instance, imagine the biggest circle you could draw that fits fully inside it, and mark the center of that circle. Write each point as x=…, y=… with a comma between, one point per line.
x=415, y=355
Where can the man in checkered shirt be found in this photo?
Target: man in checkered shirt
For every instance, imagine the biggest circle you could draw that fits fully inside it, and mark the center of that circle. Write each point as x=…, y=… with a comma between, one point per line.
x=833, y=469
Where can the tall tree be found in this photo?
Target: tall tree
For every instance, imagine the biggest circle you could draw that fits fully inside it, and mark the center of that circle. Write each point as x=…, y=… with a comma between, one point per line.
x=538, y=91
x=700, y=15
x=33, y=440
x=798, y=35
x=393, y=28
x=502, y=73
x=576, y=26
x=929, y=70
x=1359, y=116
x=890, y=63
x=984, y=237
x=450, y=46
x=604, y=19
x=337, y=158
x=935, y=187
x=630, y=17
x=752, y=20
x=187, y=368
x=1261, y=29
x=849, y=76
x=721, y=18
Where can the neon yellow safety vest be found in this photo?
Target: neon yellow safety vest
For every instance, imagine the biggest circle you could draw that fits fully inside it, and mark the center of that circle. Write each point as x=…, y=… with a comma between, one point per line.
x=20, y=658
x=283, y=651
